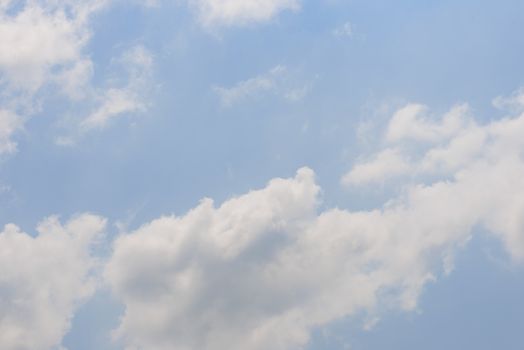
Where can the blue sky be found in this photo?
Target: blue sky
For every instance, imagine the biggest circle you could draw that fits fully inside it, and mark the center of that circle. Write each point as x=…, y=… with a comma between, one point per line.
x=364, y=159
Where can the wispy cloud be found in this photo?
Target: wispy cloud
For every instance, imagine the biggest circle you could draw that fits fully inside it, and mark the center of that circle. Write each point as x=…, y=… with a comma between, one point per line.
x=212, y=13
x=345, y=30
x=514, y=103
x=124, y=96
x=42, y=47
x=130, y=98
x=278, y=81
x=9, y=124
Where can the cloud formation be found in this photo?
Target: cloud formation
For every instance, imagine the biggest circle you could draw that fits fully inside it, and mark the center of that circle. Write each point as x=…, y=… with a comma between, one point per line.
x=229, y=13
x=41, y=38
x=279, y=81
x=264, y=269
x=43, y=279
x=123, y=94
x=9, y=124
x=42, y=48
x=482, y=162
x=129, y=98
x=41, y=44
x=513, y=103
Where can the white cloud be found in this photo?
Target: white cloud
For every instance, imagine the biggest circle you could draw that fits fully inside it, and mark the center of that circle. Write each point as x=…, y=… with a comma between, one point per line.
x=484, y=161
x=415, y=145
x=240, y=12
x=263, y=269
x=411, y=123
x=115, y=102
x=43, y=279
x=43, y=37
x=120, y=98
x=386, y=164
x=9, y=124
x=250, y=87
x=74, y=81
x=278, y=81
x=138, y=62
x=42, y=48
x=514, y=103
x=41, y=45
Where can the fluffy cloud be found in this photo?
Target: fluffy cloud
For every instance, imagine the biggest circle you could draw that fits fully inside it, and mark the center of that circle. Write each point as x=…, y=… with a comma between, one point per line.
x=41, y=43
x=278, y=81
x=211, y=267
x=410, y=123
x=40, y=38
x=484, y=162
x=388, y=163
x=263, y=269
x=43, y=279
x=240, y=12
x=417, y=144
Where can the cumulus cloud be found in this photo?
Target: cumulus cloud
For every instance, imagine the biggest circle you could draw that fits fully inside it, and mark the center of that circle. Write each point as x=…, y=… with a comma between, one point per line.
x=264, y=269
x=412, y=123
x=484, y=161
x=240, y=12
x=43, y=279
x=41, y=38
x=388, y=163
x=41, y=44
x=418, y=144
x=279, y=81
